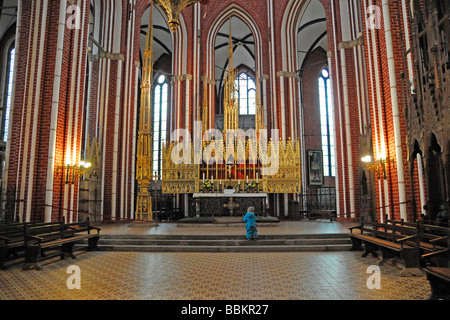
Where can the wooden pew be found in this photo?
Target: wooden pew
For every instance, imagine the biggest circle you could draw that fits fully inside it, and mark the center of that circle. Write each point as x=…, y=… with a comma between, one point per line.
x=60, y=236
x=439, y=279
x=439, y=276
x=386, y=238
x=82, y=231
x=427, y=238
x=434, y=239
x=12, y=240
x=322, y=214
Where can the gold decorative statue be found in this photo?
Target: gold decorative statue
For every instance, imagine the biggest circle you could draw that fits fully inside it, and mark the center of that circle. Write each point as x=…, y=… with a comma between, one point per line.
x=144, y=143
x=173, y=9
x=230, y=103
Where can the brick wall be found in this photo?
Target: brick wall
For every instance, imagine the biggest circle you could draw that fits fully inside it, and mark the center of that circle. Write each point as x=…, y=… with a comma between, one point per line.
x=383, y=120
x=32, y=112
x=118, y=197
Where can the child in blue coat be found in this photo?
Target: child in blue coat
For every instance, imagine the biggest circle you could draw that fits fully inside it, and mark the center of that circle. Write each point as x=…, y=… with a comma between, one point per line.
x=250, y=224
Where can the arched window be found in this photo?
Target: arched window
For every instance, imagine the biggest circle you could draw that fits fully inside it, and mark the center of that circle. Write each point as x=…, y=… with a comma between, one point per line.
x=246, y=90
x=160, y=108
x=9, y=89
x=327, y=124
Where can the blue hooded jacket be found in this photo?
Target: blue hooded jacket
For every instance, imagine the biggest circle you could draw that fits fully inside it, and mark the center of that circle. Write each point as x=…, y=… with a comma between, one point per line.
x=250, y=219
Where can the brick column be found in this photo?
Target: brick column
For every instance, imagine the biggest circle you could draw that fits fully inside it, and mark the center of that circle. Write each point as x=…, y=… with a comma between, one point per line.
x=47, y=111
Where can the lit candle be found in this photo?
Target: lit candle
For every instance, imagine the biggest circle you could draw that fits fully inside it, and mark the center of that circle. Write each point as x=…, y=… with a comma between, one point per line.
x=212, y=179
x=257, y=177
x=247, y=179
x=203, y=178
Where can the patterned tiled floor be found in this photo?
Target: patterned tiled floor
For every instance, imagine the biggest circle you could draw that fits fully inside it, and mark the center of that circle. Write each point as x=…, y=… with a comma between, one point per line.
x=213, y=276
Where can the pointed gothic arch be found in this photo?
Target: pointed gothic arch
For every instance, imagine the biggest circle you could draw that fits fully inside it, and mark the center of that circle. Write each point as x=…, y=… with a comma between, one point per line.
x=178, y=53
x=435, y=177
x=291, y=26
x=232, y=10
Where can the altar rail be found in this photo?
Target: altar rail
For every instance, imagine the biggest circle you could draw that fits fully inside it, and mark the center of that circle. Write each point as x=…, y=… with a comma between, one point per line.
x=324, y=199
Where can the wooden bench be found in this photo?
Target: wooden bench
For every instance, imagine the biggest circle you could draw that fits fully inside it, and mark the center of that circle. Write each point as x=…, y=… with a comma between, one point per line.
x=12, y=240
x=322, y=214
x=61, y=236
x=381, y=231
x=379, y=237
x=82, y=231
x=434, y=239
x=427, y=238
x=439, y=275
x=439, y=279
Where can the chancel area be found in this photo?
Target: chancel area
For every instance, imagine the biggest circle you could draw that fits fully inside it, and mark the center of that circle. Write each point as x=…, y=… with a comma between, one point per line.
x=144, y=130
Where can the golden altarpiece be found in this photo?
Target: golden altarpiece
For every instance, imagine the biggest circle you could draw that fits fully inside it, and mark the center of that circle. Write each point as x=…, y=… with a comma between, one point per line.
x=239, y=162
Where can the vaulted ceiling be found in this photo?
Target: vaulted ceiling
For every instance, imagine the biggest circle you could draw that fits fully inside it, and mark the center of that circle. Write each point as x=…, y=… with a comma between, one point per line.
x=243, y=48
x=8, y=15
x=311, y=34
x=312, y=31
x=162, y=37
x=243, y=42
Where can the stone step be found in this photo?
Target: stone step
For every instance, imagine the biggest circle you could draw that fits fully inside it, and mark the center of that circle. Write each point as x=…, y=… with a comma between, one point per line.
x=248, y=248
x=223, y=237
x=223, y=242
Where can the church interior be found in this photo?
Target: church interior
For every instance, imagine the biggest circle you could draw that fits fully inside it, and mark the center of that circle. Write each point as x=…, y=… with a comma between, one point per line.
x=160, y=123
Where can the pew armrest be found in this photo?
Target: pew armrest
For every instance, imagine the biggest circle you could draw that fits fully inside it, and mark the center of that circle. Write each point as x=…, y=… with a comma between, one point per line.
x=407, y=238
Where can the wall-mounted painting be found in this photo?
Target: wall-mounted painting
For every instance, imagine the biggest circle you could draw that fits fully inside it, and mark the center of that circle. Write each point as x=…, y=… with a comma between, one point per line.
x=315, y=168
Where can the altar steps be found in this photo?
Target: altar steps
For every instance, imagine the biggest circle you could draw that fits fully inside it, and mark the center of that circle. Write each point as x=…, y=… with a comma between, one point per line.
x=225, y=243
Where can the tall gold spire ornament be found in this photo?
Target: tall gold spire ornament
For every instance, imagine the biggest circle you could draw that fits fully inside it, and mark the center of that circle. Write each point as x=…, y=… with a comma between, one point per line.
x=144, y=145
x=205, y=113
x=231, y=105
x=259, y=117
x=173, y=9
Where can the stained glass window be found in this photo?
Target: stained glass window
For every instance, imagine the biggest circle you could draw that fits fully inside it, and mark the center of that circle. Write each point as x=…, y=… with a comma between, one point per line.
x=246, y=89
x=160, y=108
x=9, y=93
x=327, y=124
